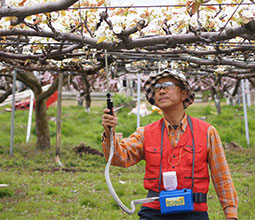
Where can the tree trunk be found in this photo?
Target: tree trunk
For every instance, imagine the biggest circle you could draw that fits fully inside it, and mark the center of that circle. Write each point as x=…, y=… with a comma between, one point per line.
x=88, y=101
x=5, y=95
x=87, y=93
x=42, y=126
x=217, y=104
x=216, y=100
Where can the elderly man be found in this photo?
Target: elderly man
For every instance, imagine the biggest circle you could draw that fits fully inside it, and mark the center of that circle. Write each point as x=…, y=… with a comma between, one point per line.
x=177, y=143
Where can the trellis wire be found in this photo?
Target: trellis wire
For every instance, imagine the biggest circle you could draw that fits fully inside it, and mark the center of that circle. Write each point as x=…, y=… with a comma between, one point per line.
x=156, y=6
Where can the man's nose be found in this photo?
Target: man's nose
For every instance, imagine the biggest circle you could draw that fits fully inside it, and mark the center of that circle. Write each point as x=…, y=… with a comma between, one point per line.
x=162, y=90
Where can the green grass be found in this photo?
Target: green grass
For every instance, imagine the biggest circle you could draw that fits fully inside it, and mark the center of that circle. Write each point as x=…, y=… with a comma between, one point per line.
x=38, y=189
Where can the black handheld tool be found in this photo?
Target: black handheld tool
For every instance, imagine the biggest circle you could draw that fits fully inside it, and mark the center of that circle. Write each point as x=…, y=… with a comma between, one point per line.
x=109, y=103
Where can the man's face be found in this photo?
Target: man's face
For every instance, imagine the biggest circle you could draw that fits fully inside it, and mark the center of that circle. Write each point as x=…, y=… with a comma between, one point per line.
x=169, y=95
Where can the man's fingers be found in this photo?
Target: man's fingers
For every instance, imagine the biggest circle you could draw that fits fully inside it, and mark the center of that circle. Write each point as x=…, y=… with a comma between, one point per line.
x=108, y=120
x=107, y=111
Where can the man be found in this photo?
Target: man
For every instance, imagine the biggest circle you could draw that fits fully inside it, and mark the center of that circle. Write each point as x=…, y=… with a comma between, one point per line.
x=167, y=145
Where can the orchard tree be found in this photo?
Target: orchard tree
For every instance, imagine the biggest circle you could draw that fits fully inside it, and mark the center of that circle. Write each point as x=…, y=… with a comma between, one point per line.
x=198, y=38
x=202, y=34
x=35, y=84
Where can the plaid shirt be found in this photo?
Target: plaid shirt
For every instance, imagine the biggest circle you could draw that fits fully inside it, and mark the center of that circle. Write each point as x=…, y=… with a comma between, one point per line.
x=130, y=151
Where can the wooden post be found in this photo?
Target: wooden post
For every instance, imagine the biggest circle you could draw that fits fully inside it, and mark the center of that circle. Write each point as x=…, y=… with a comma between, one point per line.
x=13, y=110
x=138, y=100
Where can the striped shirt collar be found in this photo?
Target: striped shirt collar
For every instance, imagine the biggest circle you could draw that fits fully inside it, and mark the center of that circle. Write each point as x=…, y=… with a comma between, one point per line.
x=183, y=124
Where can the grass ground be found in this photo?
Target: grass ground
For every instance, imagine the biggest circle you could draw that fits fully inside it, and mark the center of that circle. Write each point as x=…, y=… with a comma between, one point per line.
x=39, y=190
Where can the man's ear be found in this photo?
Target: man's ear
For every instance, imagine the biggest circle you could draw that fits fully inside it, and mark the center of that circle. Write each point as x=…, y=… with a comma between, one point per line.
x=184, y=94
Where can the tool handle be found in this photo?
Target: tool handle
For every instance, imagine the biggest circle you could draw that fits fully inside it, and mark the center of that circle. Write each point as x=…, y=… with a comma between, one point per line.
x=109, y=103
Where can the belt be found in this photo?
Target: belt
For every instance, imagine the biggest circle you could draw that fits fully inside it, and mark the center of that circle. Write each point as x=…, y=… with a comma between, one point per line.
x=197, y=197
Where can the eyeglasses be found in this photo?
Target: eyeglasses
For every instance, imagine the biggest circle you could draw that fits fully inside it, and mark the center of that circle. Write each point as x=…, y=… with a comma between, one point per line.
x=165, y=85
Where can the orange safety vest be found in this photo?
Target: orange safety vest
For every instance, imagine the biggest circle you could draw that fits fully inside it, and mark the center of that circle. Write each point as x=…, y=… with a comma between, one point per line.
x=178, y=158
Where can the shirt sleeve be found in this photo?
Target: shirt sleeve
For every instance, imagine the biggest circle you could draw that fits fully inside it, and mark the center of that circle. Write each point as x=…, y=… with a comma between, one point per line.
x=220, y=174
x=127, y=152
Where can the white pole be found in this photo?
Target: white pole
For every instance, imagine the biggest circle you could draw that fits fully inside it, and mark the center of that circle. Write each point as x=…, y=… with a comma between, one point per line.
x=13, y=110
x=138, y=100
x=248, y=94
x=31, y=106
x=107, y=70
x=245, y=114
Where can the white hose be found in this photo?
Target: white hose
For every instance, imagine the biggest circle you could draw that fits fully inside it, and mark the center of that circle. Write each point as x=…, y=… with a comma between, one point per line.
x=111, y=189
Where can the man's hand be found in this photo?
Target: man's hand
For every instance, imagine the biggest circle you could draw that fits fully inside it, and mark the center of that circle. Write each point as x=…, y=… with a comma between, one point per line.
x=109, y=121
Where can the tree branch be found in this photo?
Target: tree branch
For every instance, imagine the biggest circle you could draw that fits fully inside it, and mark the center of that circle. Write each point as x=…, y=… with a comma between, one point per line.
x=22, y=12
x=124, y=35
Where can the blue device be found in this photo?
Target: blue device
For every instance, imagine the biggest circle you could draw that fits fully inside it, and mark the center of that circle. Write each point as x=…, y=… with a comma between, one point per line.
x=176, y=201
